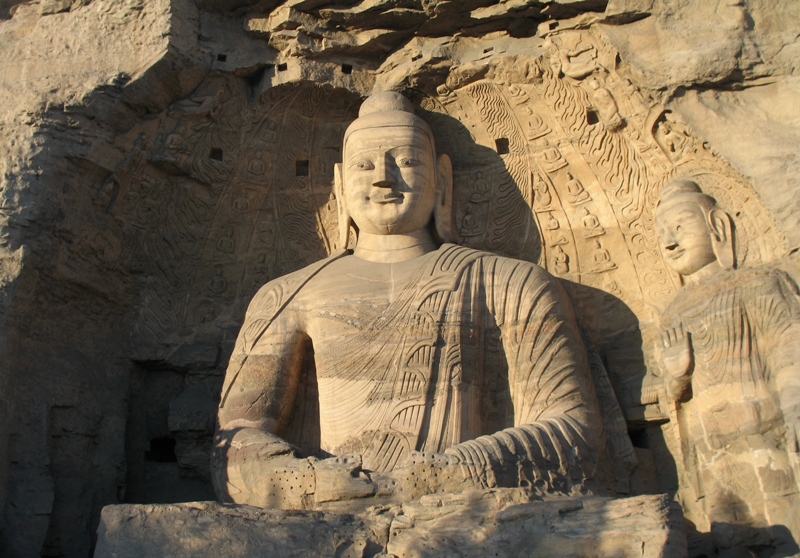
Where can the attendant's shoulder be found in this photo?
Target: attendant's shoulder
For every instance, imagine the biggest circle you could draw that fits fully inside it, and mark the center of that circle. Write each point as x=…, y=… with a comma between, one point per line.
x=758, y=280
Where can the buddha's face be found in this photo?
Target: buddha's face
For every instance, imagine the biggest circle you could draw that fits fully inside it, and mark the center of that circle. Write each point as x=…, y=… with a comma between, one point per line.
x=389, y=179
x=685, y=238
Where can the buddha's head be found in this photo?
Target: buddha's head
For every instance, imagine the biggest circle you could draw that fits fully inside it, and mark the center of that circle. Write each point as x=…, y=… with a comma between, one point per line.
x=694, y=234
x=390, y=180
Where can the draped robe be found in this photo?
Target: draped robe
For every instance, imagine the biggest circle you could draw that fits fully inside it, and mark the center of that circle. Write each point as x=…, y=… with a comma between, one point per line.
x=476, y=355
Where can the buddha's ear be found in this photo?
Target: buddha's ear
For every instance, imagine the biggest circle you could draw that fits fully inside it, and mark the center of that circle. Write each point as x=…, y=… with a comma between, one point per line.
x=721, y=227
x=443, y=210
x=341, y=207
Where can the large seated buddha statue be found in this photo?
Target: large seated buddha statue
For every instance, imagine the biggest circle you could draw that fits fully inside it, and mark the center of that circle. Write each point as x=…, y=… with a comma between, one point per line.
x=403, y=368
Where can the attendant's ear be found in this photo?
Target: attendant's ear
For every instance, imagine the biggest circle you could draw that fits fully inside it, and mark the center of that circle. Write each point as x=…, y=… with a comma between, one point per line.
x=443, y=210
x=341, y=207
x=721, y=227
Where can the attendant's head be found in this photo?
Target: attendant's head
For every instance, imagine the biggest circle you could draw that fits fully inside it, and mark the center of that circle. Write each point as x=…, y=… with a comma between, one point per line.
x=390, y=180
x=694, y=233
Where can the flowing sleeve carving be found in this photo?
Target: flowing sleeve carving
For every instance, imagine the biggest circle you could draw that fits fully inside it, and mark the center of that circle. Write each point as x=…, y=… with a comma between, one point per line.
x=557, y=428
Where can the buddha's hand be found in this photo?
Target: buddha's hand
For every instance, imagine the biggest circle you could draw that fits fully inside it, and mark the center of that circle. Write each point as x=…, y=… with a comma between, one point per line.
x=425, y=473
x=341, y=478
x=676, y=353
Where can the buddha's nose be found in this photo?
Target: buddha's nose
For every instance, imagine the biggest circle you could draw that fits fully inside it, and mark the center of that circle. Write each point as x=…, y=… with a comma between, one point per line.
x=382, y=177
x=668, y=240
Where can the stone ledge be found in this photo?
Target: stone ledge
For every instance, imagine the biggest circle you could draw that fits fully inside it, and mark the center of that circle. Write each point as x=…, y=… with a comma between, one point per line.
x=502, y=523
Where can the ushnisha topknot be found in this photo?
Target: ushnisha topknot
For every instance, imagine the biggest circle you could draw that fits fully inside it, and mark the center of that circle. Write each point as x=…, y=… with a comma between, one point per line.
x=383, y=101
x=387, y=109
x=684, y=191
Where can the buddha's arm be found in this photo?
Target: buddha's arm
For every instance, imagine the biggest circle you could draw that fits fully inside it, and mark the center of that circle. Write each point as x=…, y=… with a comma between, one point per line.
x=250, y=459
x=251, y=463
x=557, y=425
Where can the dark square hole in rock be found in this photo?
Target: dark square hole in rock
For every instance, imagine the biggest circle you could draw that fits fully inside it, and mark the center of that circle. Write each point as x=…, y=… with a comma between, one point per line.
x=215, y=154
x=162, y=450
x=347, y=69
x=301, y=168
x=222, y=57
x=502, y=145
x=282, y=67
x=639, y=438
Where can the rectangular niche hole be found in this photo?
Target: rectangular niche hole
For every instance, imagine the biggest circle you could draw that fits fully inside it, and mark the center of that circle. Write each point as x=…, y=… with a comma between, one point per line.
x=162, y=450
x=488, y=50
x=301, y=168
x=502, y=146
x=222, y=57
x=347, y=69
x=415, y=58
x=215, y=154
x=282, y=67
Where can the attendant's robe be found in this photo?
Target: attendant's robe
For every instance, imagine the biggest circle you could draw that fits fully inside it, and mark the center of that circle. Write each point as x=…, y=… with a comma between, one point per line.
x=745, y=337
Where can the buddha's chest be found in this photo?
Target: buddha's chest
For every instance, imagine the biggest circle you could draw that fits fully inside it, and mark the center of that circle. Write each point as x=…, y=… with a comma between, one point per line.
x=352, y=297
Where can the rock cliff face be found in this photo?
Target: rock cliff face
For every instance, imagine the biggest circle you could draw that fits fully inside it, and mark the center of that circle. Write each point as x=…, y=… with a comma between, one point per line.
x=161, y=160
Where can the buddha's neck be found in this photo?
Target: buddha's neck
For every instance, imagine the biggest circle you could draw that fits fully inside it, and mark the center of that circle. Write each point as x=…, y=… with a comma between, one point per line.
x=393, y=248
x=711, y=269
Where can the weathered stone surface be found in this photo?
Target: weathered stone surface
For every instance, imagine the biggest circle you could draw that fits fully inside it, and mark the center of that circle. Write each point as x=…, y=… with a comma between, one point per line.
x=497, y=523
x=755, y=129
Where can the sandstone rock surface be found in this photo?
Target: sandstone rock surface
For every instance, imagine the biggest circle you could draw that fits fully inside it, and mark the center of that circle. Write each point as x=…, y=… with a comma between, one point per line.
x=477, y=524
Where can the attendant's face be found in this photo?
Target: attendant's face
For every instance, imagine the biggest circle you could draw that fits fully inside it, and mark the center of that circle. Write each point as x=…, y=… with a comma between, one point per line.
x=389, y=179
x=685, y=238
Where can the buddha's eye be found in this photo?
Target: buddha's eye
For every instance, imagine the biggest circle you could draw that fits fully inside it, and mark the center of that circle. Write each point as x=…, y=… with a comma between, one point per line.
x=406, y=162
x=363, y=164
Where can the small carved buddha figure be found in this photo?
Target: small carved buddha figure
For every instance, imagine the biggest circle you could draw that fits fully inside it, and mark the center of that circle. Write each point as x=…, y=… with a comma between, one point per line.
x=403, y=368
x=591, y=224
x=576, y=193
x=606, y=106
x=730, y=345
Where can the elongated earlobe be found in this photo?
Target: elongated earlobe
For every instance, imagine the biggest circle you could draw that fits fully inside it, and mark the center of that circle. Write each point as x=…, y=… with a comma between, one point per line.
x=443, y=210
x=341, y=207
x=721, y=227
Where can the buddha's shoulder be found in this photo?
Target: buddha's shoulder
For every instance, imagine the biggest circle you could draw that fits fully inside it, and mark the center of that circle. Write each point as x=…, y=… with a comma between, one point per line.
x=280, y=290
x=499, y=264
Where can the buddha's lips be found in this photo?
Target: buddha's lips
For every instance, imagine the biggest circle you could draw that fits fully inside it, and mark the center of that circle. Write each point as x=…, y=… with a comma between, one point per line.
x=389, y=198
x=675, y=254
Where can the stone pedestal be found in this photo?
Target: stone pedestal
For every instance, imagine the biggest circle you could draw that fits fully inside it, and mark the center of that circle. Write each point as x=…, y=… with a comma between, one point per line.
x=501, y=523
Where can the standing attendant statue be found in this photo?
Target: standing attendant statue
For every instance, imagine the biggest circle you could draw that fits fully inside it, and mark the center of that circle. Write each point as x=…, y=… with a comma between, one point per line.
x=404, y=368
x=731, y=346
